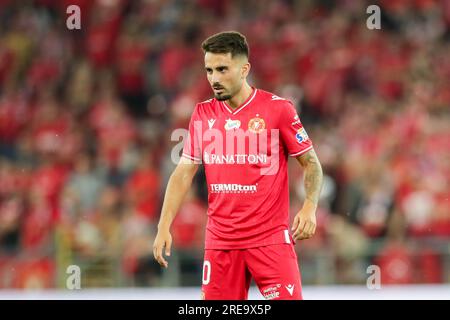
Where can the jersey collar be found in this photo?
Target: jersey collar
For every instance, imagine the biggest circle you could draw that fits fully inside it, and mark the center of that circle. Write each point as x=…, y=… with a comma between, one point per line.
x=246, y=103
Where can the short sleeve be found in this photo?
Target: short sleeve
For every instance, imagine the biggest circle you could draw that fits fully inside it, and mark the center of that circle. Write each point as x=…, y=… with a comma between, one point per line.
x=292, y=132
x=192, y=145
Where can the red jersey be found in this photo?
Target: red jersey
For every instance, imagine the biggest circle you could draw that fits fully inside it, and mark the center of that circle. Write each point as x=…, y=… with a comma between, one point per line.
x=245, y=153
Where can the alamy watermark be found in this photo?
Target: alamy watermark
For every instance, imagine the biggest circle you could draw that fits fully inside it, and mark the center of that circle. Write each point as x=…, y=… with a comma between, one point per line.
x=374, y=20
x=73, y=281
x=236, y=146
x=73, y=21
x=374, y=280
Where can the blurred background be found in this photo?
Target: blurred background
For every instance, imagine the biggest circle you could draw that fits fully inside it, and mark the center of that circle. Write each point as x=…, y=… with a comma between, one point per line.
x=86, y=117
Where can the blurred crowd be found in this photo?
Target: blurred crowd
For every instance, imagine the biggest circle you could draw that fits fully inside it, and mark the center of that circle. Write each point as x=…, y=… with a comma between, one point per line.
x=86, y=118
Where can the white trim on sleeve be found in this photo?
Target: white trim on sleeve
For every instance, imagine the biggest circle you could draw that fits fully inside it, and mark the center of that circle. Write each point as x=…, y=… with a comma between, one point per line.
x=301, y=152
x=190, y=157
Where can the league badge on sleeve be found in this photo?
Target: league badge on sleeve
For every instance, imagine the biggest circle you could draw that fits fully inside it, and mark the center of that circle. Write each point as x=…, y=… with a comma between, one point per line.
x=296, y=120
x=301, y=135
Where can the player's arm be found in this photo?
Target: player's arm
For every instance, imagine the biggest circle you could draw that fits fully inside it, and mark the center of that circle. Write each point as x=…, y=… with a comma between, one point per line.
x=179, y=183
x=304, y=225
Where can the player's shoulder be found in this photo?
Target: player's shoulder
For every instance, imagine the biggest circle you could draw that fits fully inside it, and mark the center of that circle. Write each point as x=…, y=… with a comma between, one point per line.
x=275, y=100
x=206, y=104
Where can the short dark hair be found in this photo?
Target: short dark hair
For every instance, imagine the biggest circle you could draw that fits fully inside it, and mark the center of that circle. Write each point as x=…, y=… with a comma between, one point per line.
x=224, y=42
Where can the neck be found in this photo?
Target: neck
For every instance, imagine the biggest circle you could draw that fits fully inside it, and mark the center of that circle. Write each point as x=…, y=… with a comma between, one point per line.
x=239, y=98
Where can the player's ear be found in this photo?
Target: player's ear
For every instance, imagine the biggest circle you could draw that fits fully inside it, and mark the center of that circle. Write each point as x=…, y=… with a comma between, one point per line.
x=245, y=70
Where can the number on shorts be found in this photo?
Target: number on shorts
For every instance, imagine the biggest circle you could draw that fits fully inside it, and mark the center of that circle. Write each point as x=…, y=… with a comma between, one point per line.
x=206, y=272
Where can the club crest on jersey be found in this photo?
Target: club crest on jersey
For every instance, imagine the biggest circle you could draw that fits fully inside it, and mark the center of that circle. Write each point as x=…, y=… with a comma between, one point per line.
x=232, y=124
x=301, y=135
x=256, y=125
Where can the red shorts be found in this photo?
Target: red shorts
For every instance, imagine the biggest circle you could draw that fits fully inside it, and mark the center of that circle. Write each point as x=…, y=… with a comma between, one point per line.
x=227, y=273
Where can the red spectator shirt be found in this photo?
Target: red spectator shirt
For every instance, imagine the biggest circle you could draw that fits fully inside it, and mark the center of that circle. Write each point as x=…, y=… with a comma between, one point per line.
x=248, y=193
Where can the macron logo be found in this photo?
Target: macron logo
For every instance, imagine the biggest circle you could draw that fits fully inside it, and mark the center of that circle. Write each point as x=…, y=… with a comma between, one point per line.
x=211, y=122
x=290, y=289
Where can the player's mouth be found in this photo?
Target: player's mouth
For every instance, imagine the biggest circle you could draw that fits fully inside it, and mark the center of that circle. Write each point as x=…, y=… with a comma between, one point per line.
x=218, y=89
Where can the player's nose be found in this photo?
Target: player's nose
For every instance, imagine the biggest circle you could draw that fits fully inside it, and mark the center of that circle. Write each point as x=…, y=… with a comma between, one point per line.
x=215, y=78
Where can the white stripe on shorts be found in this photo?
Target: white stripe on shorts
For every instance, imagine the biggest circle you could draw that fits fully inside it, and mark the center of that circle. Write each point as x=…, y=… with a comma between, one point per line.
x=286, y=236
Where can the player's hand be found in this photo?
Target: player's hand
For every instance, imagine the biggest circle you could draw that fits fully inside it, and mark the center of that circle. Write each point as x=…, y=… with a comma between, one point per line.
x=163, y=241
x=304, y=225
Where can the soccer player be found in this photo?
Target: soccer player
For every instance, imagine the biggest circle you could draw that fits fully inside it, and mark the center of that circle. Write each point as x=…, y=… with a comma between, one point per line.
x=244, y=136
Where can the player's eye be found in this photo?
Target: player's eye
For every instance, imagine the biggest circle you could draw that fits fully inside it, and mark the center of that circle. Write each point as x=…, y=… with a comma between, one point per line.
x=208, y=70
